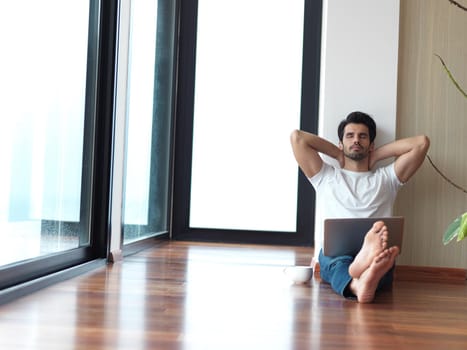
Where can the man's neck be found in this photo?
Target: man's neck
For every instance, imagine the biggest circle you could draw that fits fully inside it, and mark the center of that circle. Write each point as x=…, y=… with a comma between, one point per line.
x=356, y=165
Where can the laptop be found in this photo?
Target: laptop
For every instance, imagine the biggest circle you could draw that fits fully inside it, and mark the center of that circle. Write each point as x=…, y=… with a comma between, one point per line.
x=344, y=236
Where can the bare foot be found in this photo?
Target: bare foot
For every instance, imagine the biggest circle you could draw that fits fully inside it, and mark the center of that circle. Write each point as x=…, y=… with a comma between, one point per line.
x=375, y=242
x=365, y=286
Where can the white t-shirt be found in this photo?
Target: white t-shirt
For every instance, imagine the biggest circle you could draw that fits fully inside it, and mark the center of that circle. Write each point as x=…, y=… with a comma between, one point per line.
x=342, y=193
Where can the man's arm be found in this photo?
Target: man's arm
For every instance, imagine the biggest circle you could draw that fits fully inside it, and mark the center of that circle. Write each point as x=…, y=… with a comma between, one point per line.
x=409, y=152
x=306, y=148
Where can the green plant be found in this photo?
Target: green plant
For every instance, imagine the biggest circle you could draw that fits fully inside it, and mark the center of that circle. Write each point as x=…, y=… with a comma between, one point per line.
x=457, y=228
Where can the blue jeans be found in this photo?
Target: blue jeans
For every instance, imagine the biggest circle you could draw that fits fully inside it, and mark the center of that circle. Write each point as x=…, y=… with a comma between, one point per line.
x=335, y=271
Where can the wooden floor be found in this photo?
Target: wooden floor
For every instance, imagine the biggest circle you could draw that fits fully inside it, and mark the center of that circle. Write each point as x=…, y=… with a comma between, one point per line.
x=211, y=296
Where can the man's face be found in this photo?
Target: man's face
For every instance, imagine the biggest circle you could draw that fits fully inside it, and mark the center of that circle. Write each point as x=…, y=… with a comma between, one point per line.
x=356, y=143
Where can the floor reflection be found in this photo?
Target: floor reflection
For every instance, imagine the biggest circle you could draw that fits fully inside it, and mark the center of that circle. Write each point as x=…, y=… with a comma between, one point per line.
x=237, y=299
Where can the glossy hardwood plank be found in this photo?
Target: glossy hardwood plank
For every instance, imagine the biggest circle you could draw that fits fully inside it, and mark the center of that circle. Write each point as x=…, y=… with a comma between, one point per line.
x=183, y=295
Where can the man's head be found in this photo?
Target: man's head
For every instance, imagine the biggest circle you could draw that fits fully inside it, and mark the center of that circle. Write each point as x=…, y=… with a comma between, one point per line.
x=358, y=118
x=356, y=135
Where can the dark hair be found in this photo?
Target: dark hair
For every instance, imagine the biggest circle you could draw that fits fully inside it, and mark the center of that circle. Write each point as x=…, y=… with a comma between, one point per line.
x=358, y=118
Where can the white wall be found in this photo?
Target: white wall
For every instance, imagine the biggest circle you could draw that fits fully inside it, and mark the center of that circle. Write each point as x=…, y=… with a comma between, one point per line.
x=359, y=66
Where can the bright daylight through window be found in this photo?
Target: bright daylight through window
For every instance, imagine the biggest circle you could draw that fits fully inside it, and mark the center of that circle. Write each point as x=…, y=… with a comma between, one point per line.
x=42, y=94
x=247, y=101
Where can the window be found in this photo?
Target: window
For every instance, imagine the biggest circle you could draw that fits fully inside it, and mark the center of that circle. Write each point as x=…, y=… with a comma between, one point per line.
x=50, y=97
x=249, y=75
x=149, y=119
x=247, y=101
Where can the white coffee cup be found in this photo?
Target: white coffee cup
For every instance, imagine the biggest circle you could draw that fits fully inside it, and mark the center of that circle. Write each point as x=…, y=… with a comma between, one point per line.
x=299, y=274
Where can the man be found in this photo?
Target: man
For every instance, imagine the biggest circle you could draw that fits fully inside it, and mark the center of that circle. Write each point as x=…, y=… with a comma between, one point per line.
x=356, y=189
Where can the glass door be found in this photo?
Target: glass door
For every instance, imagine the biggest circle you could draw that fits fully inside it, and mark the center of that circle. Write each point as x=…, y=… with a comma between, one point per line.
x=253, y=65
x=149, y=114
x=48, y=95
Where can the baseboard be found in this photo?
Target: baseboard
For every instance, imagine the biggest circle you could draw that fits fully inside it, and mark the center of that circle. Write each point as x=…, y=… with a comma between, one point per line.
x=430, y=274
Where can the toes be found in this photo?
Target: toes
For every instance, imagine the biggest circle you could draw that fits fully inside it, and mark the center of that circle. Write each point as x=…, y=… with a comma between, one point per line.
x=394, y=251
x=384, y=244
x=389, y=253
x=383, y=255
x=384, y=231
x=377, y=226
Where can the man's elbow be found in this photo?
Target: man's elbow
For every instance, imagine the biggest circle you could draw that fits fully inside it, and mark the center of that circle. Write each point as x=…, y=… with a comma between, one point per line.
x=424, y=143
x=295, y=137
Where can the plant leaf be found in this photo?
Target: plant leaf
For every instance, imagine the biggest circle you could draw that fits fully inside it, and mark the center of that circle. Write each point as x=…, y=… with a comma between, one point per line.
x=463, y=228
x=456, y=84
x=452, y=230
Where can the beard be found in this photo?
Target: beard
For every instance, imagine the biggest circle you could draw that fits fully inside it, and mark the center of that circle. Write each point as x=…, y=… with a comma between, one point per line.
x=356, y=155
